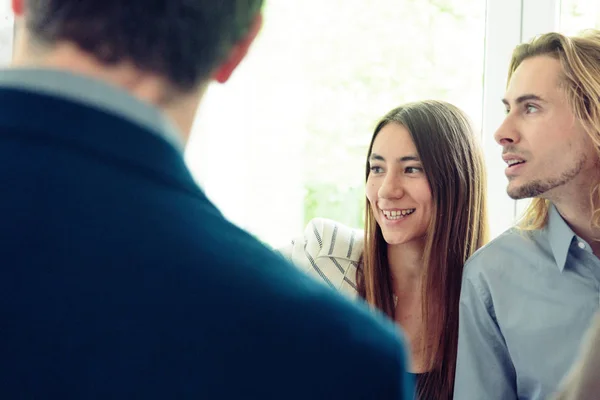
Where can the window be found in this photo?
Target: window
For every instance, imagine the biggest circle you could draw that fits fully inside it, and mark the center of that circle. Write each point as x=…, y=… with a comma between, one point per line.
x=300, y=112
x=6, y=32
x=285, y=140
x=577, y=15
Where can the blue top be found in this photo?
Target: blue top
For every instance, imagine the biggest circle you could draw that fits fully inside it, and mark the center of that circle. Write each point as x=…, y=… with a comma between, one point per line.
x=527, y=299
x=120, y=280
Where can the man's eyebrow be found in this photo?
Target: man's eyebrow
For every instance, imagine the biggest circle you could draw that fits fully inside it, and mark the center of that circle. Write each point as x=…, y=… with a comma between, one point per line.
x=523, y=98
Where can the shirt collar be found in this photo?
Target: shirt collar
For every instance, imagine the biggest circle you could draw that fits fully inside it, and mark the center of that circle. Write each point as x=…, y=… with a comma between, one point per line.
x=94, y=93
x=560, y=236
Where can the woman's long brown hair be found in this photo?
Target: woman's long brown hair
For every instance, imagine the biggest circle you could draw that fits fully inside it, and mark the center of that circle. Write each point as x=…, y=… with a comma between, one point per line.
x=454, y=167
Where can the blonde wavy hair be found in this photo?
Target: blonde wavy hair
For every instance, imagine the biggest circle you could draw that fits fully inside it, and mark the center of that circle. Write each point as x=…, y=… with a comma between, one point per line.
x=580, y=59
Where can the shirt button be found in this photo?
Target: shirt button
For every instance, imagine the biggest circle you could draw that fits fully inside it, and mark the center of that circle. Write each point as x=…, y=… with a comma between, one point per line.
x=581, y=245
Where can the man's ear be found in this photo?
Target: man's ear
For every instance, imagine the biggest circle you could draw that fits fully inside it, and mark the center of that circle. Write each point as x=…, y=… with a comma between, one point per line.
x=237, y=53
x=18, y=7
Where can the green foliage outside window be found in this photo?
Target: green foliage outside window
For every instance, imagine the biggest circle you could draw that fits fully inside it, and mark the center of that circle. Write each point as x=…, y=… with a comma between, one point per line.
x=359, y=59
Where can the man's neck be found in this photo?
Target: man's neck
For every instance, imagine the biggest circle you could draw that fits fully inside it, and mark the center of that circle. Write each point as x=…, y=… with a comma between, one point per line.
x=575, y=207
x=145, y=86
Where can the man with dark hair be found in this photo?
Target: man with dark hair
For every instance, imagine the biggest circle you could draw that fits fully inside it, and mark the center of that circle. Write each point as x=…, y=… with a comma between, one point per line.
x=119, y=278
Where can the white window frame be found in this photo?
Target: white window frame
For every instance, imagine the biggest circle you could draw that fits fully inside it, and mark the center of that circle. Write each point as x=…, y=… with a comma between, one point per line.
x=508, y=23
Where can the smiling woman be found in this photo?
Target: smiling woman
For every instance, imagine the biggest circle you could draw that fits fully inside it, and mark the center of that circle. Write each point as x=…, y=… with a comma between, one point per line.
x=397, y=188
x=425, y=215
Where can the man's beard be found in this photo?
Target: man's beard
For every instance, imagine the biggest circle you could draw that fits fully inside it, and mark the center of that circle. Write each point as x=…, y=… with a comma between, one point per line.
x=538, y=187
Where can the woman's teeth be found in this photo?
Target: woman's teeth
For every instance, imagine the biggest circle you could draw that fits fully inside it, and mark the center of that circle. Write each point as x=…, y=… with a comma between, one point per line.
x=397, y=214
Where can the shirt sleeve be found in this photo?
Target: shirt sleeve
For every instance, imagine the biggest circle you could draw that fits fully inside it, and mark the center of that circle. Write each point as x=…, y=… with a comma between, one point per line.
x=484, y=369
x=303, y=250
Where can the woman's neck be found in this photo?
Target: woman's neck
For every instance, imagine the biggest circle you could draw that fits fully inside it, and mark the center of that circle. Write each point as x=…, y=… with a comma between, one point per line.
x=406, y=267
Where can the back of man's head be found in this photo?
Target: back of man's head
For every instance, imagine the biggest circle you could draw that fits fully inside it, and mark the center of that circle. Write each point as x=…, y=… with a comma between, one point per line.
x=180, y=40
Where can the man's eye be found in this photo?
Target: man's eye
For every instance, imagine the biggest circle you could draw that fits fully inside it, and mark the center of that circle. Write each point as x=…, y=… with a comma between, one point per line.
x=530, y=108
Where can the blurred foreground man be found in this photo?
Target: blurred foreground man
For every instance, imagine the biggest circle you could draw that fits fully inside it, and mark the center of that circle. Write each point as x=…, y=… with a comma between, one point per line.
x=118, y=278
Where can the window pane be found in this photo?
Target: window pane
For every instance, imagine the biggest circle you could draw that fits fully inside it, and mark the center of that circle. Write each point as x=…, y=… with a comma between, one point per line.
x=577, y=15
x=300, y=111
x=6, y=31
x=367, y=58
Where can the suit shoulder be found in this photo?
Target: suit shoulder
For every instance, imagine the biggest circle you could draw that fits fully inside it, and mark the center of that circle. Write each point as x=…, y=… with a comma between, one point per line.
x=332, y=336
x=356, y=337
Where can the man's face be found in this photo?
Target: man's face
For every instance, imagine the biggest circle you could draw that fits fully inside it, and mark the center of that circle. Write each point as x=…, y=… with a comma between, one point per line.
x=544, y=145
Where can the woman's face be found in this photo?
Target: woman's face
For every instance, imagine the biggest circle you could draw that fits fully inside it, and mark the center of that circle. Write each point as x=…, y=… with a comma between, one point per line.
x=397, y=188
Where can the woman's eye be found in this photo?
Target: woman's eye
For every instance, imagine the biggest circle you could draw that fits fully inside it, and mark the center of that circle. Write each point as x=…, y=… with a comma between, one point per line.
x=376, y=170
x=413, y=170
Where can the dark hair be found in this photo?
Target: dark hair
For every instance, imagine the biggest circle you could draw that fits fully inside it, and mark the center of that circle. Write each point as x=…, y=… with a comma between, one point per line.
x=181, y=40
x=454, y=166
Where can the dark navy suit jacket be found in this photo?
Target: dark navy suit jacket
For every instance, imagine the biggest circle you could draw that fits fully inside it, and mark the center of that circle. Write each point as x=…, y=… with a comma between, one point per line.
x=119, y=279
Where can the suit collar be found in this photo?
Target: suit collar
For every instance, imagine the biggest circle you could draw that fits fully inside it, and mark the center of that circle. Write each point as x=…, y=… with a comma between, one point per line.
x=114, y=139
x=93, y=93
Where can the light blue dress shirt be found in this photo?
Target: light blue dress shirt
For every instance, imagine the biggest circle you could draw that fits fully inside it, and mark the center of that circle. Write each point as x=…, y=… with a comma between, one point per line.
x=526, y=301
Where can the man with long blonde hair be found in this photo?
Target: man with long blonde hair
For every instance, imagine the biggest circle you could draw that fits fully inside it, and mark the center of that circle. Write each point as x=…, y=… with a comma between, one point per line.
x=528, y=297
